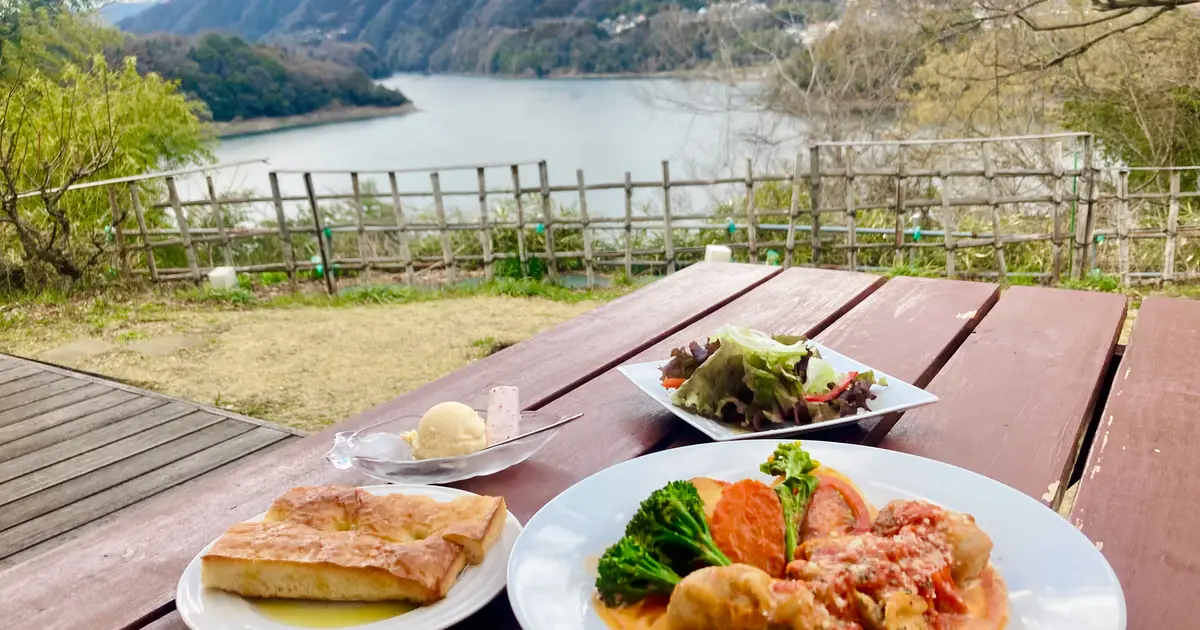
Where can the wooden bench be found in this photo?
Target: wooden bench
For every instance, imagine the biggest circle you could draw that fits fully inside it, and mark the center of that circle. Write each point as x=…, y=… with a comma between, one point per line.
x=1139, y=498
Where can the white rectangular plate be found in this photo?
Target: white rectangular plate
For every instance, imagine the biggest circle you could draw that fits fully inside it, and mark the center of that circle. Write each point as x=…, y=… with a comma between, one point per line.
x=896, y=396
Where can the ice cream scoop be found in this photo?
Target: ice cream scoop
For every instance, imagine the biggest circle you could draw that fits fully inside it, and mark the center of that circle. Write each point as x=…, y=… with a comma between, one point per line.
x=449, y=429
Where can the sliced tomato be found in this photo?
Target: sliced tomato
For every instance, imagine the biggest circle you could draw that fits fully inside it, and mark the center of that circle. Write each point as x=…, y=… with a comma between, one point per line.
x=673, y=383
x=835, y=392
x=858, y=507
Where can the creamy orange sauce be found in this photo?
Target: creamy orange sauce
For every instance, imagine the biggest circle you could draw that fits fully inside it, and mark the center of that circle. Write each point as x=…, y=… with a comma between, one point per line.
x=650, y=614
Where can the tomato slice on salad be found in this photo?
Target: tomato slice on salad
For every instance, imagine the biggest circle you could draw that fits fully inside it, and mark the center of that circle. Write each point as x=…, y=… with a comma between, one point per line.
x=836, y=391
x=673, y=383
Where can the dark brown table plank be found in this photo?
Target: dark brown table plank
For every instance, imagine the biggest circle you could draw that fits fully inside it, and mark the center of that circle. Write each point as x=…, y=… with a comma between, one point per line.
x=1138, y=496
x=1017, y=396
x=64, y=424
x=94, y=454
x=166, y=533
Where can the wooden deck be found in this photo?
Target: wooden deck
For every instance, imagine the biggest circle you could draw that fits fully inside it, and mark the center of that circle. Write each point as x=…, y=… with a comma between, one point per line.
x=77, y=450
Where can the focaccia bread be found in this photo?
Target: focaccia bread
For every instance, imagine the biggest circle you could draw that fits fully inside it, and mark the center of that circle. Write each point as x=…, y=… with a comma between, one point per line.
x=345, y=544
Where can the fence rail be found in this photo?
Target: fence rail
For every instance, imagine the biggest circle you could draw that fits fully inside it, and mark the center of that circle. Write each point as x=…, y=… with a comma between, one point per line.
x=843, y=205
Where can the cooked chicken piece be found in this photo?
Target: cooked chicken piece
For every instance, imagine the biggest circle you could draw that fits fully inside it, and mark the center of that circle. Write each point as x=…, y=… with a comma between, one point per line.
x=743, y=597
x=969, y=546
x=899, y=610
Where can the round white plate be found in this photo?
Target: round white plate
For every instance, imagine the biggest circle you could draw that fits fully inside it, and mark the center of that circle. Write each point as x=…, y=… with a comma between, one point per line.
x=210, y=609
x=1056, y=578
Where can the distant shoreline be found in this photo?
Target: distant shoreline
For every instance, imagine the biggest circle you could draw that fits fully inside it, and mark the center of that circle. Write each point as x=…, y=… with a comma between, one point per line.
x=256, y=126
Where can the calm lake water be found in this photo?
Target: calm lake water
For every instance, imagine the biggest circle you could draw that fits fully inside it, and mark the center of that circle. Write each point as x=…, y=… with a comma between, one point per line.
x=605, y=127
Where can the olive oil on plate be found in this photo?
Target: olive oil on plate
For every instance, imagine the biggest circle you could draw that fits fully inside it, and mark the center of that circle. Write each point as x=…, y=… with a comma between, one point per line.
x=313, y=614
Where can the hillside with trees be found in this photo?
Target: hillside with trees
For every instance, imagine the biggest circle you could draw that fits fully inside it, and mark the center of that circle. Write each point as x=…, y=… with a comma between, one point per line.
x=499, y=36
x=238, y=80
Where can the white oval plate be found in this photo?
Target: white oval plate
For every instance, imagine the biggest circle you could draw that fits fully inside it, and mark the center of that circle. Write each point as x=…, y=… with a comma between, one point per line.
x=1056, y=578
x=210, y=609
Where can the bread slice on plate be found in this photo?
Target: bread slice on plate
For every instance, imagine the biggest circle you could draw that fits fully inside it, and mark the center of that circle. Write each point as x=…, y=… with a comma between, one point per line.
x=345, y=544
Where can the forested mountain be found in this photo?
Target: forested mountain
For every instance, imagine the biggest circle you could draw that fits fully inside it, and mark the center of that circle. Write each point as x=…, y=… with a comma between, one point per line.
x=239, y=80
x=482, y=36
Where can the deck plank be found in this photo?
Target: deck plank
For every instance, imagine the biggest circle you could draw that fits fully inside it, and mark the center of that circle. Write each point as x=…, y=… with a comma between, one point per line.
x=178, y=525
x=94, y=455
x=131, y=510
x=17, y=372
x=1017, y=397
x=32, y=395
x=64, y=424
x=59, y=450
x=50, y=403
x=129, y=492
x=1137, y=498
x=27, y=382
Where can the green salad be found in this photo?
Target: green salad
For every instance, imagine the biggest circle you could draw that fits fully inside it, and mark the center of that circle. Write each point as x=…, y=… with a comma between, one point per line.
x=760, y=381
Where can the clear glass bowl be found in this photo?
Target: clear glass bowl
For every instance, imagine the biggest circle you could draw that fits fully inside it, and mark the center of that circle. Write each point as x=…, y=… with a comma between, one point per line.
x=379, y=451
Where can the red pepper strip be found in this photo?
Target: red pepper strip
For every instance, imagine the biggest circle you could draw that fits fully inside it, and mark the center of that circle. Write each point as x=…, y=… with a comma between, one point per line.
x=835, y=392
x=858, y=507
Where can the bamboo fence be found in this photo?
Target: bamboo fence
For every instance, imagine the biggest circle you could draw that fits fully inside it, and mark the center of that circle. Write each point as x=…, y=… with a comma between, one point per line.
x=832, y=189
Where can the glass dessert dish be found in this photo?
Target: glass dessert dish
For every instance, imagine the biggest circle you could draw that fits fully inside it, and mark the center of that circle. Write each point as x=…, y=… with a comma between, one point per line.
x=379, y=451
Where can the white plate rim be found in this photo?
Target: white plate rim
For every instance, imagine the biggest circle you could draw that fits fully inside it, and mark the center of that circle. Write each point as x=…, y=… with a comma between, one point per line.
x=532, y=526
x=189, y=588
x=705, y=425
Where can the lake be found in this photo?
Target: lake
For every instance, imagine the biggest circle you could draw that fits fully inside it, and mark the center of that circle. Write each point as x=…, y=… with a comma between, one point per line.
x=603, y=126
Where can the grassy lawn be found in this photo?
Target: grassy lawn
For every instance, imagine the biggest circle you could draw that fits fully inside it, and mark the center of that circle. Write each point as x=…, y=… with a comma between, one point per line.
x=305, y=360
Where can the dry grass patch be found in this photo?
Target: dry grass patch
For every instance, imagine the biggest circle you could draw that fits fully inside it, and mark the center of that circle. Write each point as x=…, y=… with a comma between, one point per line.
x=302, y=366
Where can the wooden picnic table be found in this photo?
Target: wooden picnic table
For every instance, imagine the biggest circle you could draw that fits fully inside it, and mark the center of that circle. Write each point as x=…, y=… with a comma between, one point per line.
x=1034, y=393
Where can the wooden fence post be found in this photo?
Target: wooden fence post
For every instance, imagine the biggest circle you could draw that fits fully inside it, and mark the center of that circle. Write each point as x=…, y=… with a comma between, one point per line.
x=516, y=179
x=1083, y=223
x=588, y=263
x=360, y=223
x=485, y=232
x=628, y=225
x=1056, y=155
x=285, y=237
x=1123, y=225
x=184, y=234
x=793, y=214
x=989, y=172
x=814, y=199
x=949, y=222
x=668, y=233
x=851, y=213
x=219, y=221
x=548, y=221
x=1172, y=231
x=323, y=247
x=118, y=216
x=751, y=215
x=439, y=207
x=405, y=235
x=141, y=221
x=901, y=203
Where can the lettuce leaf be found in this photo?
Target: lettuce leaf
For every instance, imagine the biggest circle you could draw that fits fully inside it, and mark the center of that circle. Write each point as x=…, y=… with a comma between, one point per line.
x=757, y=380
